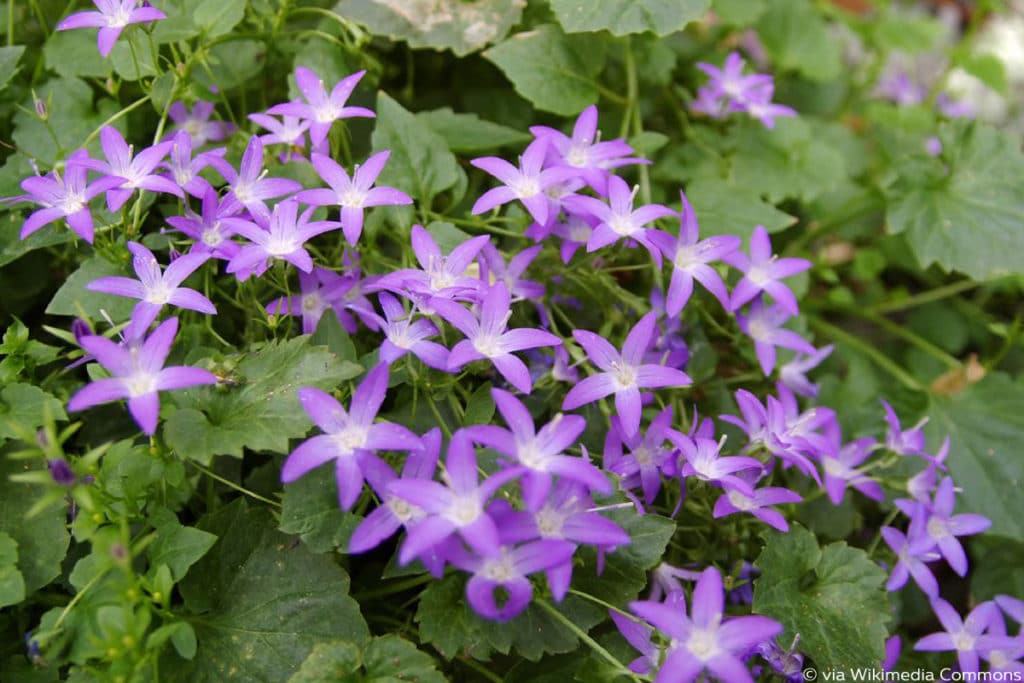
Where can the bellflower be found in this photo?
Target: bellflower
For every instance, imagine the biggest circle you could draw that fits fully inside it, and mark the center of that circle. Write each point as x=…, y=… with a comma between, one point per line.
x=284, y=239
x=321, y=108
x=913, y=553
x=212, y=228
x=794, y=373
x=968, y=637
x=575, y=233
x=250, y=187
x=703, y=460
x=493, y=269
x=457, y=507
x=763, y=324
x=734, y=500
x=762, y=272
x=154, y=288
x=622, y=374
x=320, y=291
x=705, y=640
x=137, y=170
x=439, y=276
x=788, y=663
x=618, y=219
x=349, y=438
x=841, y=471
x=66, y=196
x=667, y=580
x=393, y=513
x=909, y=442
x=691, y=258
x=184, y=168
x=1013, y=607
x=509, y=571
x=640, y=635
x=943, y=527
x=648, y=454
x=540, y=453
x=353, y=194
x=404, y=335
x=138, y=374
x=197, y=123
x=760, y=106
x=112, y=18
x=729, y=83
x=290, y=130
x=490, y=338
x=526, y=183
x=1008, y=661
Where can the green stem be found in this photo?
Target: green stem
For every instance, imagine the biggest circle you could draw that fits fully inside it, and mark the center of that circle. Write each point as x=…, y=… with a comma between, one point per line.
x=134, y=105
x=230, y=484
x=928, y=297
x=391, y=589
x=871, y=352
x=606, y=605
x=904, y=334
x=479, y=668
x=585, y=637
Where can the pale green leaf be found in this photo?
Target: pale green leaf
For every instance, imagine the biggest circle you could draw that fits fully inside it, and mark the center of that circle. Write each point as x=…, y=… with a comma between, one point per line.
x=622, y=17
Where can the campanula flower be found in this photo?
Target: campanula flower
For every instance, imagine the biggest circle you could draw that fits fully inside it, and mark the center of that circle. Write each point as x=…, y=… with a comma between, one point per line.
x=319, y=291
x=250, y=187
x=526, y=183
x=794, y=373
x=494, y=269
x=213, y=227
x=841, y=470
x=763, y=324
x=197, y=122
x=136, y=170
x=290, y=131
x=439, y=276
x=913, y=553
x=321, y=108
x=138, y=374
x=648, y=454
x=968, y=637
x=943, y=527
x=405, y=334
x=759, y=505
x=283, y=238
x=184, y=168
x=898, y=440
x=702, y=458
x=762, y=272
x=112, y=18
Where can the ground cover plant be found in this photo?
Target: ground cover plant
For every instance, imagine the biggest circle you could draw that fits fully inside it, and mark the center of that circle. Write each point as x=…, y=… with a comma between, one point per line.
x=487, y=340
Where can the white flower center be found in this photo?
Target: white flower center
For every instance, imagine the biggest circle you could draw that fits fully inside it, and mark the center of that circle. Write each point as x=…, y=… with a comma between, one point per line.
x=401, y=509
x=740, y=501
x=350, y=438
x=159, y=294
x=352, y=198
x=643, y=456
x=487, y=346
x=500, y=569
x=525, y=187
x=578, y=155
x=311, y=303
x=549, y=522
x=279, y=246
x=759, y=275
x=73, y=202
x=211, y=236
x=937, y=528
x=758, y=329
x=702, y=643
x=120, y=16
x=963, y=641
x=623, y=375
x=465, y=510
x=622, y=225
x=140, y=383
x=325, y=113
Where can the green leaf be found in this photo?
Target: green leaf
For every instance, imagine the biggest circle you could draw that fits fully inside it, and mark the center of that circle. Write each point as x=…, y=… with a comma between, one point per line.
x=310, y=510
x=985, y=424
x=72, y=116
x=553, y=71
x=988, y=69
x=963, y=211
x=724, y=209
x=12, y=585
x=9, y=56
x=455, y=25
x=739, y=12
x=832, y=596
x=217, y=17
x=908, y=33
x=261, y=603
x=386, y=659
x=797, y=37
x=446, y=235
x=621, y=17
x=42, y=539
x=331, y=334
x=420, y=162
x=73, y=299
x=995, y=569
x=262, y=412
x=480, y=406
x=470, y=133
x=132, y=66
x=26, y=407
x=177, y=546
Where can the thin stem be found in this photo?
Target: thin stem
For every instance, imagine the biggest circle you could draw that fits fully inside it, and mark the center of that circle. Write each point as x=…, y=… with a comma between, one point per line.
x=397, y=587
x=904, y=334
x=230, y=484
x=134, y=105
x=928, y=297
x=599, y=601
x=871, y=352
x=479, y=668
x=585, y=637
x=78, y=596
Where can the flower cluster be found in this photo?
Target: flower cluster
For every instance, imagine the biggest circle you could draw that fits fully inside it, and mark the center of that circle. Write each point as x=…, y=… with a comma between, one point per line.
x=728, y=91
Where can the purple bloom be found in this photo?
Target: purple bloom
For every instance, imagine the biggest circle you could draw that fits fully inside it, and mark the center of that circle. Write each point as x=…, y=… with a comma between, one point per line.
x=900, y=88
x=493, y=269
x=349, y=438
x=540, y=453
x=250, y=187
x=154, y=288
x=455, y=507
x=138, y=374
x=489, y=337
x=705, y=640
x=691, y=259
x=393, y=513
x=136, y=171
x=728, y=90
x=639, y=634
x=912, y=555
x=734, y=500
x=762, y=272
x=648, y=455
x=967, y=637
x=1002, y=659
x=763, y=324
x=1013, y=607
x=507, y=570
x=212, y=228
x=794, y=373
x=575, y=232
x=788, y=663
x=943, y=527
x=405, y=334
x=64, y=197
x=893, y=648
x=703, y=460
x=61, y=472
x=618, y=219
x=526, y=183
x=622, y=374
x=667, y=580
x=841, y=471
x=290, y=131
x=439, y=276
x=284, y=238
x=321, y=108
x=185, y=168
x=197, y=122
x=319, y=291
x=112, y=18
x=760, y=106
x=909, y=442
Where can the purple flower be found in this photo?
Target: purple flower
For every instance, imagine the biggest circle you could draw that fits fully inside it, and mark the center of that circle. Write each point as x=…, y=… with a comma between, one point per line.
x=137, y=172
x=154, y=288
x=540, y=453
x=1013, y=607
x=691, y=259
x=352, y=194
x=290, y=130
x=794, y=373
x=405, y=334
x=64, y=197
x=439, y=276
x=212, y=228
x=393, y=513
x=507, y=570
x=705, y=640
x=112, y=18
x=763, y=324
x=349, y=438
x=284, y=238
x=667, y=580
x=526, y=183
x=734, y=500
x=841, y=471
x=319, y=291
x=455, y=507
x=489, y=337
x=197, y=122
x=1004, y=660
x=618, y=219
x=703, y=460
x=760, y=106
x=585, y=152
x=648, y=455
x=788, y=663
x=762, y=272
x=138, y=374
x=943, y=527
x=575, y=232
x=639, y=635
x=728, y=90
x=493, y=269
x=61, y=472
x=250, y=187
x=912, y=557
x=967, y=637
x=185, y=168
x=321, y=108
x=622, y=374
x=909, y=442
